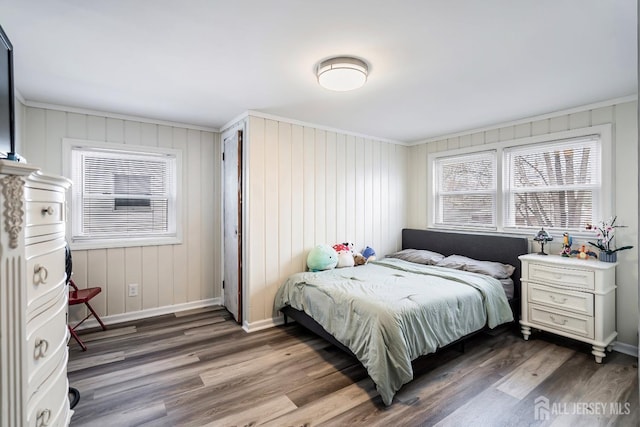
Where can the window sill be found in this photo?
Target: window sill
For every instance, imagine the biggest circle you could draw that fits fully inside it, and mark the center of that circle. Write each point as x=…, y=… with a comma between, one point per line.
x=516, y=232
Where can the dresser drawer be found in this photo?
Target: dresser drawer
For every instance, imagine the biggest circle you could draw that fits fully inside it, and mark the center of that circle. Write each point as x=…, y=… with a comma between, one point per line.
x=50, y=405
x=46, y=343
x=561, y=276
x=561, y=321
x=574, y=301
x=44, y=212
x=45, y=271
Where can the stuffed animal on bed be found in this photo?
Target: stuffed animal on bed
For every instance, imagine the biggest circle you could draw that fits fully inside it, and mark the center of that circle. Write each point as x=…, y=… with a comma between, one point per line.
x=339, y=247
x=322, y=257
x=351, y=247
x=345, y=257
x=358, y=259
x=369, y=254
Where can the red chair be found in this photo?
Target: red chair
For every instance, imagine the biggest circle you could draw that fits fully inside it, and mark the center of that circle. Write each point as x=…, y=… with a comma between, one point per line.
x=83, y=296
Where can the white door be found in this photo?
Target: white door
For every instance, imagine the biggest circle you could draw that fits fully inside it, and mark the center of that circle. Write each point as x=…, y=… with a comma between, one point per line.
x=232, y=157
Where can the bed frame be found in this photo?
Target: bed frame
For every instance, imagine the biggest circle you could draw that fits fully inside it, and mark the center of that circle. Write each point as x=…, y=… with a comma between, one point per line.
x=485, y=247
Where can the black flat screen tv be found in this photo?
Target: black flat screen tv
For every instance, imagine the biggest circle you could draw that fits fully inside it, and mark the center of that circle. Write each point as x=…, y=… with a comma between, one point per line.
x=7, y=101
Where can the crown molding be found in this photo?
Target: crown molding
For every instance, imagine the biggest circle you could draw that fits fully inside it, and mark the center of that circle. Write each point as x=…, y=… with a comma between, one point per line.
x=234, y=121
x=77, y=110
x=268, y=116
x=593, y=106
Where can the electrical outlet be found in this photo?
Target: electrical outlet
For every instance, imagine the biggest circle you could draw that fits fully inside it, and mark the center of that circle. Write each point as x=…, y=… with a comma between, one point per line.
x=133, y=289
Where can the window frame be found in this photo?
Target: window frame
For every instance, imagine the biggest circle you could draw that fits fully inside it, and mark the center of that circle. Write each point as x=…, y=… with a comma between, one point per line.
x=175, y=206
x=510, y=190
x=492, y=192
x=603, y=207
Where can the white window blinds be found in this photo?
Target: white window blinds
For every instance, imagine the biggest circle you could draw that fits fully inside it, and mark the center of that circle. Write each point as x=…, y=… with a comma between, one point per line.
x=465, y=190
x=554, y=185
x=121, y=194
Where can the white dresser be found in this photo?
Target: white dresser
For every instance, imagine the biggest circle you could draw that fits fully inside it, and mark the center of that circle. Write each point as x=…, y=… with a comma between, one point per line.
x=570, y=297
x=33, y=298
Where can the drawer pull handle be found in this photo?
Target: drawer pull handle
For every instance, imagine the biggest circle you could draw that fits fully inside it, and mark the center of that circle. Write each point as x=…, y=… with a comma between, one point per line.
x=41, y=348
x=48, y=210
x=43, y=418
x=558, y=301
x=553, y=319
x=40, y=274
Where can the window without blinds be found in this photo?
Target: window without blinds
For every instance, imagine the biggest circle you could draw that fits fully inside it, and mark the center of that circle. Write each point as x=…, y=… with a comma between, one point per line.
x=123, y=195
x=465, y=190
x=553, y=185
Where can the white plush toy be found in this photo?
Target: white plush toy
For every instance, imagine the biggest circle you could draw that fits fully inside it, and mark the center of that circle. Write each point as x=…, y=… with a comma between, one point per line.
x=351, y=247
x=345, y=257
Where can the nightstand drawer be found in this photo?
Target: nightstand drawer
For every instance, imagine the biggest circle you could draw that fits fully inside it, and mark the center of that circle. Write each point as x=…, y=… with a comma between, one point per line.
x=575, y=301
x=561, y=321
x=561, y=276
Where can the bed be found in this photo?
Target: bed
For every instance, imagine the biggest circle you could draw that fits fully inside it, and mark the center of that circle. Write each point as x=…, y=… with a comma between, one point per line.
x=392, y=311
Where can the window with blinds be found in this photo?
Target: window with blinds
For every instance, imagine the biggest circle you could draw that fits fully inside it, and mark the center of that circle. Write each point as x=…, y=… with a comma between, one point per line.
x=124, y=195
x=465, y=190
x=553, y=185
x=553, y=181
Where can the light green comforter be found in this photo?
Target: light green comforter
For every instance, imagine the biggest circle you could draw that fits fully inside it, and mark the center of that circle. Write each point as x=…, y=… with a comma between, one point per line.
x=390, y=312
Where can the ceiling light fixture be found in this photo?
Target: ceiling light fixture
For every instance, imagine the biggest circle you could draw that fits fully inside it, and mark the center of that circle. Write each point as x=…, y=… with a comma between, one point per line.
x=342, y=73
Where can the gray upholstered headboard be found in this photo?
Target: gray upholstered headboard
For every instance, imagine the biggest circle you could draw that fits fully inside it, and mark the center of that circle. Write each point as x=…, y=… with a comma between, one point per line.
x=504, y=249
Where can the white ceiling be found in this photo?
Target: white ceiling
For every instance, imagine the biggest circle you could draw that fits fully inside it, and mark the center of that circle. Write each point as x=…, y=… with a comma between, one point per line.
x=436, y=67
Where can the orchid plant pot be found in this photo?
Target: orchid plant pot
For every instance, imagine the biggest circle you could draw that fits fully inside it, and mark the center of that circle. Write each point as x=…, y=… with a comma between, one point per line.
x=608, y=256
x=604, y=234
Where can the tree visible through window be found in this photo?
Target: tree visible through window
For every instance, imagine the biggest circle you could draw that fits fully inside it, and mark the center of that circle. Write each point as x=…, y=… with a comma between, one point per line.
x=553, y=185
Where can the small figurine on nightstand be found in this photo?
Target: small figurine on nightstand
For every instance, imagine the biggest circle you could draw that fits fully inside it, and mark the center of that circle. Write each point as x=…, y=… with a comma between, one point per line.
x=583, y=253
x=566, y=245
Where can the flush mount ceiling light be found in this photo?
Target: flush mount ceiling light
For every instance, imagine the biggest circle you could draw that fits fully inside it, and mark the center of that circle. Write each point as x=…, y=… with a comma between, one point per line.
x=342, y=73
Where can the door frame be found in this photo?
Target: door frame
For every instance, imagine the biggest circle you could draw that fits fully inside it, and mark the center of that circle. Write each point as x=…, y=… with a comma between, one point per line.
x=240, y=126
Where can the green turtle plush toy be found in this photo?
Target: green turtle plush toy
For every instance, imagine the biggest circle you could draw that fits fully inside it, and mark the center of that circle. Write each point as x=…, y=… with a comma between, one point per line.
x=322, y=257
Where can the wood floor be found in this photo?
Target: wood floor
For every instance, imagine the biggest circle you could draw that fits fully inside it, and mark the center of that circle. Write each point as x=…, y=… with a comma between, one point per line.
x=200, y=368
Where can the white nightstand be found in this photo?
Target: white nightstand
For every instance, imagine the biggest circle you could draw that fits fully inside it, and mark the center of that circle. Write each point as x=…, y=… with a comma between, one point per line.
x=570, y=297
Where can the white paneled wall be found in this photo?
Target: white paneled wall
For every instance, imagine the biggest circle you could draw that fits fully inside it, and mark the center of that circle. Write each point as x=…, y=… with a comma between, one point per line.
x=168, y=275
x=305, y=186
x=309, y=186
x=623, y=117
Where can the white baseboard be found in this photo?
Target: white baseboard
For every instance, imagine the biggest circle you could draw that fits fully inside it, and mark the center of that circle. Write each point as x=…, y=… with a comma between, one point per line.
x=629, y=349
x=262, y=324
x=150, y=312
